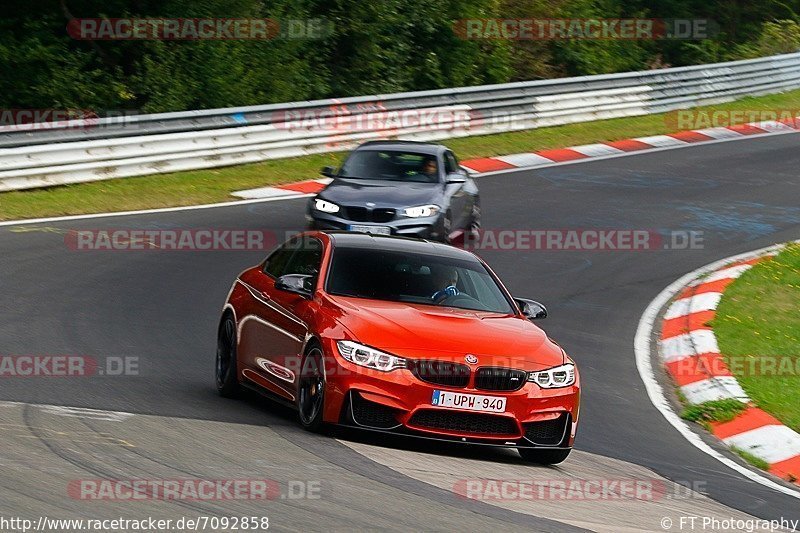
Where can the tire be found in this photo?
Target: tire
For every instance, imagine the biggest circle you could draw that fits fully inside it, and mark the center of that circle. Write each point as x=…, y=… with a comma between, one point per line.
x=226, y=368
x=544, y=457
x=447, y=227
x=311, y=390
x=475, y=222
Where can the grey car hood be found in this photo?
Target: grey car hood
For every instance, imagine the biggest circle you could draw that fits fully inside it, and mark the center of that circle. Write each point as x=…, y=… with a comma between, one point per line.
x=382, y=193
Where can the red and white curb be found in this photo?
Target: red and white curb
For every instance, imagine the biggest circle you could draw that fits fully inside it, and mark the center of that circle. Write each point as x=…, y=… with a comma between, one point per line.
x=639, y=144
x=290, y=189
x=689, y=351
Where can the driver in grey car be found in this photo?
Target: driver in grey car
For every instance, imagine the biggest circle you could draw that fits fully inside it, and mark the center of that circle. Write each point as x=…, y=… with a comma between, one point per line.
x=430, y=169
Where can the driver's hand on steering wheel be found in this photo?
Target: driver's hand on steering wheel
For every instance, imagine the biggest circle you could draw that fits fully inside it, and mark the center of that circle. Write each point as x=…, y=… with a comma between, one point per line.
x=448, y=291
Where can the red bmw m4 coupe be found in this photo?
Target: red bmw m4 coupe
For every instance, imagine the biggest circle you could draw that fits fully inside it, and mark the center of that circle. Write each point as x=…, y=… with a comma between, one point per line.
x=402, y=336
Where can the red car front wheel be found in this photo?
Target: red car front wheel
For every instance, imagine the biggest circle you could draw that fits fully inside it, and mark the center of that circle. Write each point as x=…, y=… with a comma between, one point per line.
x=311, y=390
x=226, y=368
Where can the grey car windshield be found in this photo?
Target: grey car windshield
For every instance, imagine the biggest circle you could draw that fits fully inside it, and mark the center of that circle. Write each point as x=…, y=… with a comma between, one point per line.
x=416, y=278
x=391, y=165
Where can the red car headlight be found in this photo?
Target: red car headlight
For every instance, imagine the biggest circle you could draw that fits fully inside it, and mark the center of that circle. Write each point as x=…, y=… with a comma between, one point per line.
x=554, y=378
x=369, y=357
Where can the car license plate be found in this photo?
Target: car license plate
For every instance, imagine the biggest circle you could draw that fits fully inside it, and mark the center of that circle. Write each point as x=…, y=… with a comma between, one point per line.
x=471, y=402
x=376, y=230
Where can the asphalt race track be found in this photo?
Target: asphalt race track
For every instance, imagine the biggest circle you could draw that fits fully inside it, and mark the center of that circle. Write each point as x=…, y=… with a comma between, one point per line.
x=163, y=308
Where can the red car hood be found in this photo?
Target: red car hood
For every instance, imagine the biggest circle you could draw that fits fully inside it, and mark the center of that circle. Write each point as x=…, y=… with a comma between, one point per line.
x=422, y=331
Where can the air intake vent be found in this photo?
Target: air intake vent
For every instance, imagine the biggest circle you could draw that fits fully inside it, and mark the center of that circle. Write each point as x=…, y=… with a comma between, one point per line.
x=371, y=414
x=460, y=422
x=547, y=433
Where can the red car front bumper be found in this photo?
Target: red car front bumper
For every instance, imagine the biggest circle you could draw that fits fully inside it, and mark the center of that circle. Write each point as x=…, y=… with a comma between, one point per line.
x=399, y=401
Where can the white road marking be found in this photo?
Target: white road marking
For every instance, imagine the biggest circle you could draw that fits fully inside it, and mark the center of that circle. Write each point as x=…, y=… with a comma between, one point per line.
x=149, y=211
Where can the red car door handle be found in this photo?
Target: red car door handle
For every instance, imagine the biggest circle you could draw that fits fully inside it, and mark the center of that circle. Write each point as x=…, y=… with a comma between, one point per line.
x=265, y=295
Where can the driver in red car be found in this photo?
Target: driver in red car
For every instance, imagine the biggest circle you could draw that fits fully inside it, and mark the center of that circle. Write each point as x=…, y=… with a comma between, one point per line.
x=447, y=278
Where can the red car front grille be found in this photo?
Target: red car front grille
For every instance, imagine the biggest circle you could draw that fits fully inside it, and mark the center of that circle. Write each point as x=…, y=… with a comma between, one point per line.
x=441, y=373
x=499, y=379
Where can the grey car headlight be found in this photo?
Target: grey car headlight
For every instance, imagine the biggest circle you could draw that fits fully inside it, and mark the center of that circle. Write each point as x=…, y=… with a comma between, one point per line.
x=422, y=211
x=325, y=206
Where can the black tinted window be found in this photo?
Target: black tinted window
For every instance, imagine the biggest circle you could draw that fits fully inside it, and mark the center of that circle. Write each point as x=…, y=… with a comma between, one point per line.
x=415, y=278
x=306, y=259
x=276, y=263
x=450, y=164
x=297, y=256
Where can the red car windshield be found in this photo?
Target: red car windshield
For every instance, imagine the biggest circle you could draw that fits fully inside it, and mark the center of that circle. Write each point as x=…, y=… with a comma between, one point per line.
x=415, y=278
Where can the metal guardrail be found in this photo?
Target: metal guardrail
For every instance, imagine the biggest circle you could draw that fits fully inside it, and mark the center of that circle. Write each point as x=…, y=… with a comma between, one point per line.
x=77, y=151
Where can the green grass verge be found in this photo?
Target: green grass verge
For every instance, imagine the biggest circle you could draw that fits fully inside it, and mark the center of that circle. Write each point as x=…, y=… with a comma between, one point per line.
x=713, y=411
x=215, y=185
x=757, y=325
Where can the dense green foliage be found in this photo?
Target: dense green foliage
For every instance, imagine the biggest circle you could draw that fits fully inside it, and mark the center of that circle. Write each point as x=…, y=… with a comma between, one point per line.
x=373, y=47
